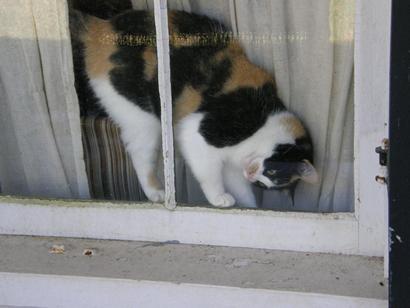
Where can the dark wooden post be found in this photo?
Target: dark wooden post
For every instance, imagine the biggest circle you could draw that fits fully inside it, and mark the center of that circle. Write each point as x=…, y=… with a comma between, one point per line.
x=399, y=156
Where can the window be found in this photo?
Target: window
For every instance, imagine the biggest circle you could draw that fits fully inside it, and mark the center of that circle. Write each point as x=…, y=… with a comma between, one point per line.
x=359, y=232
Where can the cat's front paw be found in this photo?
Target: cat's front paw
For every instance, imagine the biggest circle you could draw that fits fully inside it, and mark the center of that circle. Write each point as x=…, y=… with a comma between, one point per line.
x=224, y=200
x=156, y=196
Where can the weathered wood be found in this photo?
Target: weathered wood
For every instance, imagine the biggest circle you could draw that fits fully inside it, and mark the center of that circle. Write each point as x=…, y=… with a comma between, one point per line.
x=164, y=84
x=372, y=53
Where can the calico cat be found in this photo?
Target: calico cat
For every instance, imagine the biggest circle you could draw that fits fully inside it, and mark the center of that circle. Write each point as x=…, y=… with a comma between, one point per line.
x=232, y=129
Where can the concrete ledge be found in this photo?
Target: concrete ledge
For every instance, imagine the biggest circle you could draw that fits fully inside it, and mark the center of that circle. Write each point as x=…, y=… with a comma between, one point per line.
x=25, y=290
x=123, y=268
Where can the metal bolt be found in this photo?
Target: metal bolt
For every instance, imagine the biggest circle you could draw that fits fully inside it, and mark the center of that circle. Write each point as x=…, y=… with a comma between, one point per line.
x=380, y=179
x=385, y=143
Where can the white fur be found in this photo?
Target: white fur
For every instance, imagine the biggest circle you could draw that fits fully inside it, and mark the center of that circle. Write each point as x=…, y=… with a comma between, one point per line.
x=238, y=186
x=206, y=162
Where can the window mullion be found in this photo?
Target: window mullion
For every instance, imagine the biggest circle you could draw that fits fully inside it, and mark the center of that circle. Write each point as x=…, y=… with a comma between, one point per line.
x=164, y=84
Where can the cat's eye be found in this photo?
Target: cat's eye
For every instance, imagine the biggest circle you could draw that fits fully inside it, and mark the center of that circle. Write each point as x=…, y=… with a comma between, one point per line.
x=271, y=172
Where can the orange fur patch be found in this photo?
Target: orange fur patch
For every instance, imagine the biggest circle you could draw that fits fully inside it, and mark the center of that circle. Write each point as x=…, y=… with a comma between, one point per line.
x=244, y=73
x=294, y=126
x=150, y=63
x=186, y=103
x=99, y=46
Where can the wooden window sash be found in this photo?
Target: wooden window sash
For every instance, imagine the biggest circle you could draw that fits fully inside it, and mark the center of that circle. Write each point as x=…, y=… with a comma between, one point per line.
x=164, y=85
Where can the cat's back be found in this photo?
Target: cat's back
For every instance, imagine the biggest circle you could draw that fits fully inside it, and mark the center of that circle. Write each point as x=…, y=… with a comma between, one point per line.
x=210, y=72
x=122, y=50
x=122, y=36
x=104, y=41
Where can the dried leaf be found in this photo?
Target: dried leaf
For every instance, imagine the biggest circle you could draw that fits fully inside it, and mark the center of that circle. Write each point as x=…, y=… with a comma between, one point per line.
x=57, y=249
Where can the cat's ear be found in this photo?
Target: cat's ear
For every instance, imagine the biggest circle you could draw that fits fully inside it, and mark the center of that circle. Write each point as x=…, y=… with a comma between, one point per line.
x=307, y=172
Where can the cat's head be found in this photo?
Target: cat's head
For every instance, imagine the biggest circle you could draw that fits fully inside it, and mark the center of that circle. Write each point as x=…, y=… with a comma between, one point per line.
x=289, y=161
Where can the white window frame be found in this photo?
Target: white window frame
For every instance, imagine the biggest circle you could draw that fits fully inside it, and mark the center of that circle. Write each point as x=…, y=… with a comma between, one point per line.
x=362, y=232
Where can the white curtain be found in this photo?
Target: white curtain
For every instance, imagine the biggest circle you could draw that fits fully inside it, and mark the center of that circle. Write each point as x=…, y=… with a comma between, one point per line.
x=40, y=134
x=308, y=46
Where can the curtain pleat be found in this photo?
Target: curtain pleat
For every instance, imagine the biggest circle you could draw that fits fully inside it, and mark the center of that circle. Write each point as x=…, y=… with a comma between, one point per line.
x=41, y=152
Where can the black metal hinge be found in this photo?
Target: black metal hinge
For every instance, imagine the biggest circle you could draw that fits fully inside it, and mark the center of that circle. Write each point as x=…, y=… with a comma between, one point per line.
x=383, y=152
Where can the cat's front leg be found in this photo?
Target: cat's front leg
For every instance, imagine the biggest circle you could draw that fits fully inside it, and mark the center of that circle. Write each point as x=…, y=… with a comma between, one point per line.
x=144, y=161
x=210, y=179
x=143, y=149
x=204, y=160
x=238, y=186
x=207, y=169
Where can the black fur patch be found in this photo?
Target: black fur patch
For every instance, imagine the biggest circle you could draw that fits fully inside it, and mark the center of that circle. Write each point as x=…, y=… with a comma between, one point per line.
x=136, y=32
x=129, y=80
x=233, y=117
x=88, y=101
x=104, y=9
x=286, y=159
x=302, y=149
x=193, y=64
x=221, y=73
x=192, y=24
x=133, y=22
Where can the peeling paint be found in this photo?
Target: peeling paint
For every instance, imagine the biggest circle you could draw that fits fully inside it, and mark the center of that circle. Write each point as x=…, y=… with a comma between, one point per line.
x=399, y=238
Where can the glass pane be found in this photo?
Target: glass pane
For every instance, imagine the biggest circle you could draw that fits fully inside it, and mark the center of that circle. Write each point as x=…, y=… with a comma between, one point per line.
x=263, y=103
x=121, y=127
x=107, y=146
x=262, y=94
